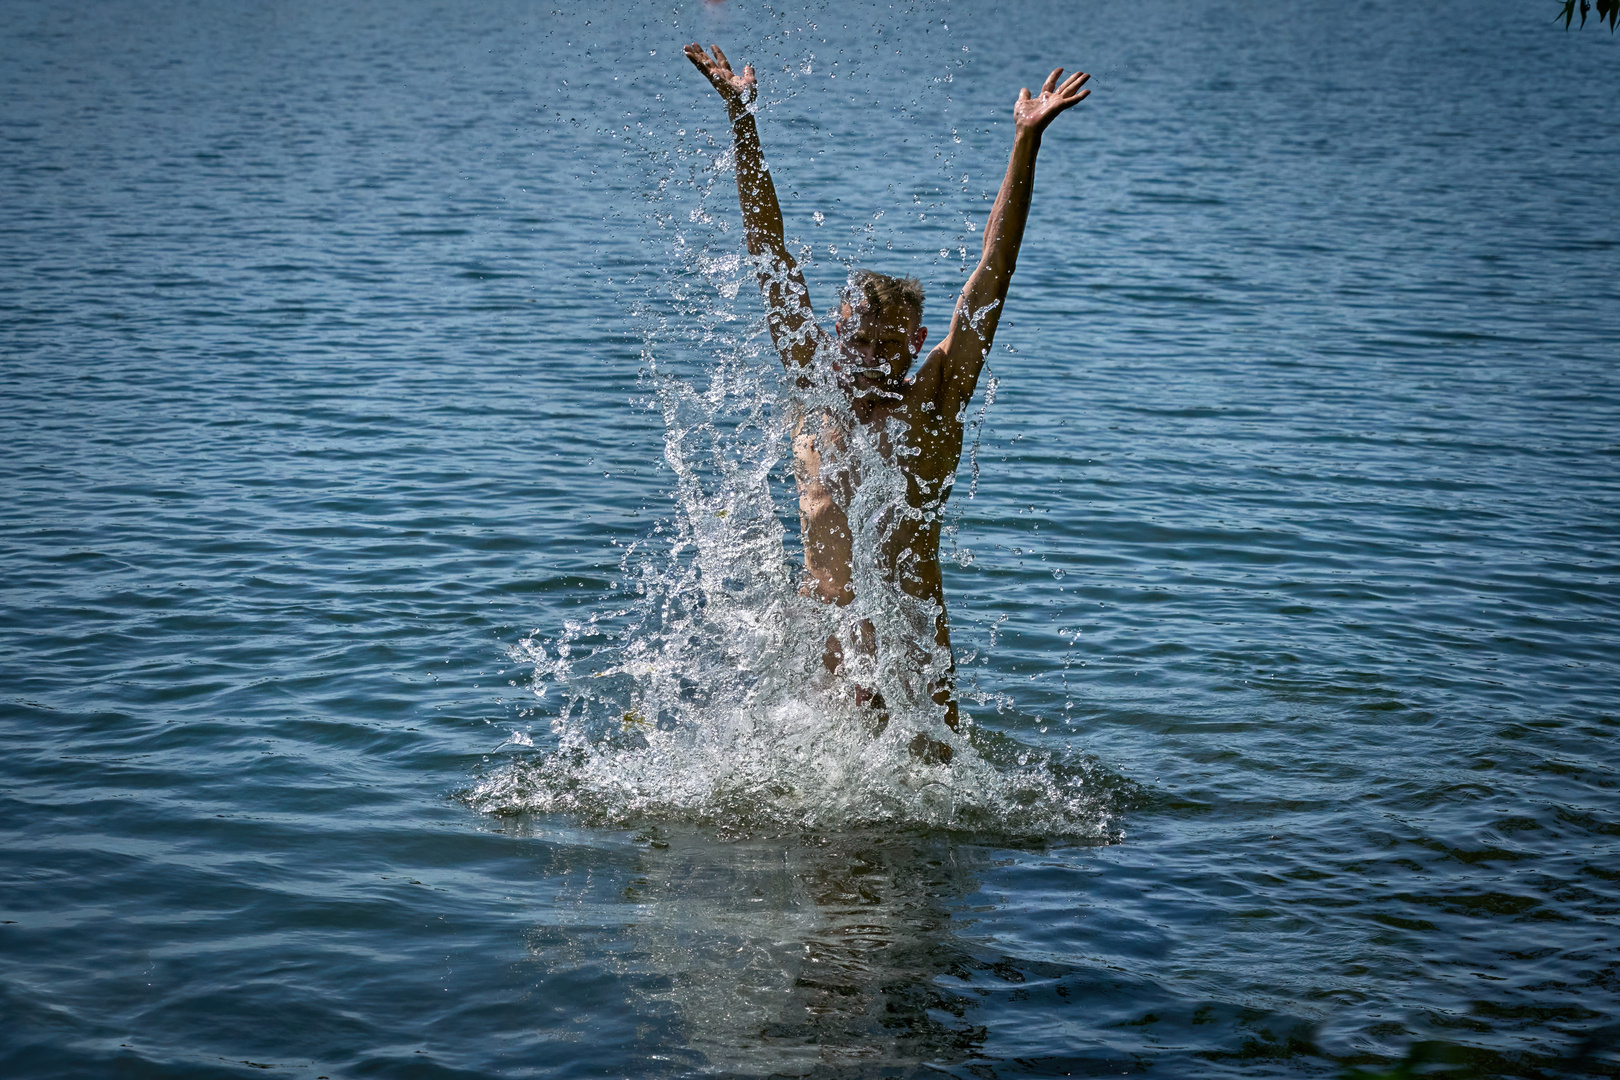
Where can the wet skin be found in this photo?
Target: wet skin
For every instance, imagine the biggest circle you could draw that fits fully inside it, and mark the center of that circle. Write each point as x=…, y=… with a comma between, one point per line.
x=916, y=421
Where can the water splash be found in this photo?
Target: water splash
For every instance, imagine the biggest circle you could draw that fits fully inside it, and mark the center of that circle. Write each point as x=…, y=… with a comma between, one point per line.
x=709, y=702
x=707, y=699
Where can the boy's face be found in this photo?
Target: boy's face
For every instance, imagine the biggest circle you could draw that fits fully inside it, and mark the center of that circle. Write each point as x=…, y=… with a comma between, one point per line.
x=878, y=350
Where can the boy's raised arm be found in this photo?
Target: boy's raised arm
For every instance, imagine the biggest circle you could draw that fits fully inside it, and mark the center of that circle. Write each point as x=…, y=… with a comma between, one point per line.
x=787, y=300
x=955, y=363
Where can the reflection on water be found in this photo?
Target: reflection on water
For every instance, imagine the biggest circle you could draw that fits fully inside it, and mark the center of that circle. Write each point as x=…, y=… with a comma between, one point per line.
x=788, y=956
x=871, y=954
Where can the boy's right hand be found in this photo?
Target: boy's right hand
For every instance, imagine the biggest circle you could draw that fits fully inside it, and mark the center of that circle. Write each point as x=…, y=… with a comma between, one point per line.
x=737, y=90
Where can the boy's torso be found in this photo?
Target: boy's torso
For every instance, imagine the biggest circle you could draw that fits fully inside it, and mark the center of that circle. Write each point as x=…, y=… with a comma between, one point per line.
x=913, y=443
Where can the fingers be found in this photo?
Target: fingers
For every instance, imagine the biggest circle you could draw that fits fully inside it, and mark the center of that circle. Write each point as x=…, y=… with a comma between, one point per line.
x=1073, y=83
x=1023, y=95
x=1066, y=103
x=720, y=56
x=702, y=61
x=1051, y=81
x=748, y=74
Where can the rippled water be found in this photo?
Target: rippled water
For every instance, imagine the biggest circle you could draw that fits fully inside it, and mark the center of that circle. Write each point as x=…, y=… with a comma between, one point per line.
x=331, y=339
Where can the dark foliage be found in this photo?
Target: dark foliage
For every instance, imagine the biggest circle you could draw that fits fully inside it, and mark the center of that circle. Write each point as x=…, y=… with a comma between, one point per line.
x=1606, y=9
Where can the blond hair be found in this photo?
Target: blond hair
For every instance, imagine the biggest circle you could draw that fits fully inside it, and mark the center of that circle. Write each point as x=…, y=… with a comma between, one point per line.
x=882, y=294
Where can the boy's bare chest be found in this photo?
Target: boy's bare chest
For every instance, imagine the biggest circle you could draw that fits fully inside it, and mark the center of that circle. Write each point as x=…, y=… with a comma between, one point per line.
x=925, y=448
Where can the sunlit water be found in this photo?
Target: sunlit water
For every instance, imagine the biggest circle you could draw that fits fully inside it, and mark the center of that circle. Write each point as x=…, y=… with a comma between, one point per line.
x=404, y=668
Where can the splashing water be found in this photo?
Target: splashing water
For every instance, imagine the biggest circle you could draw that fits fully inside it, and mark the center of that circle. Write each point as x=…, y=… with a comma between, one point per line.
x=712, y=704
x=707, y=700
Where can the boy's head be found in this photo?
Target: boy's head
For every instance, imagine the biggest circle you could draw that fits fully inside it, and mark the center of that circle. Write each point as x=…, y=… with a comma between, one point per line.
x=880, y=328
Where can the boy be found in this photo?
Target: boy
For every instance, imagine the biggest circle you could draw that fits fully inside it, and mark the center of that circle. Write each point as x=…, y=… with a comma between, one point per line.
x=917, y=422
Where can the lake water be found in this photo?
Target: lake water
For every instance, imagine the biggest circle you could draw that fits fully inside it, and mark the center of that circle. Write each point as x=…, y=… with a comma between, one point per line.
x=374, y=378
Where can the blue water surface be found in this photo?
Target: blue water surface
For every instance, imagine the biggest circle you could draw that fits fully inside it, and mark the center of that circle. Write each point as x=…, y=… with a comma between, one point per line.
x=1295, y=514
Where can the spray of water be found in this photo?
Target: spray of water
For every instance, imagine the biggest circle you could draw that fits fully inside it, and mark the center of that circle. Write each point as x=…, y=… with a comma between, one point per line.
x=710, y=701
x=707, y=698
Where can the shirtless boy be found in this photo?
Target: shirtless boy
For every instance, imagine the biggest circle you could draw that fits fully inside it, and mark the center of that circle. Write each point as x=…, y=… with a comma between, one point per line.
x=876, y=337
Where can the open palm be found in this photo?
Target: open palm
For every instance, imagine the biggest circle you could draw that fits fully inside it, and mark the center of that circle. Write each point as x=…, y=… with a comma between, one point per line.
x=1037, y=112
x=738, y=90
